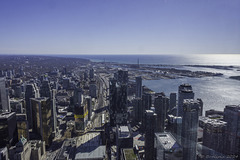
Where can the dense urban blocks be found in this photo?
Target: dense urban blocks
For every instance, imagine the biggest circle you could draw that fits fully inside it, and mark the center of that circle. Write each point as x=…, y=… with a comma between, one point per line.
x=97, y=110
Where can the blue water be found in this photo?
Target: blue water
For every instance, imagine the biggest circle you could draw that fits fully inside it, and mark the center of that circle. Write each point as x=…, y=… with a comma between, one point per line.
x=203, y=59
x=216, y=92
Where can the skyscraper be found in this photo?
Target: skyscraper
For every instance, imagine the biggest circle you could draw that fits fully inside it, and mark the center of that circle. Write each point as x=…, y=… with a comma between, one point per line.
x=150, y=117
x=46, y=91
x=81, y=116
x=112, y=100
x=93, y=89
x=160, y=105
x=118, y=102
x=189, y=128
x=78, y=96
x=22, y=126
x=175, y=126
x=139, y=87
x=214, y=132
x=200, y=107
x=91, y=73
x=8, y=129
x=184, y=92
x=4, y=97
x=173, y=100
x=138, y=109
x=167, y=147
x=42, y=119
x=89, y=106
x=232, y=117
x=122, y=76
x=147, y=100
x=30, y=92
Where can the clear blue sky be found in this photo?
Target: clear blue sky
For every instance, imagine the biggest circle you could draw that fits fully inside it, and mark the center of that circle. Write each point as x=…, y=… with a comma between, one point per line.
x=119, y=26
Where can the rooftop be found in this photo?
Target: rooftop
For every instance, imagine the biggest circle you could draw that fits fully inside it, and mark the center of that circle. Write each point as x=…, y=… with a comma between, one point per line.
x=89, y=147
x=40, y=99
x=213, y=122
x=124, y=131
x=235, y=108
x=129, y=154
x=167, y=141
x=6, y=115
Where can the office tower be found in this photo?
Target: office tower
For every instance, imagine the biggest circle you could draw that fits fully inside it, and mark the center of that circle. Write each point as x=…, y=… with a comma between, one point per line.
x=184, y=92
x=4, y=153
x=167, y=147
x=64, y=70
x=80, y=116
x=16, y=105
x=147, y=100
x=89, y=106
x=93, y=90
x=9, y=74
x=54, y=110
x=175, y=126
x=189, y=128
x=150, y=117
x=21, y=151
x=121, y=109
x=91, y=73
x=122, y=76
x=118, y=102
x=2, y=73
x=66, y=82
x=22, y=126
x=200, y=107
x=21, y=71
x=42, y=119
x=112, y=100
x=214, y=132
x=85, y=75
x=30, y=92
x=4, y=97
x=232, y=117
x=212, y=112
x=18, y=91
x=46, y=91
x=139, y=87
x=38, y=150
x=8, y=131
x=124, y=138
x=78, y=96
x=173, y=100
x=160, y=104
x=138, y=109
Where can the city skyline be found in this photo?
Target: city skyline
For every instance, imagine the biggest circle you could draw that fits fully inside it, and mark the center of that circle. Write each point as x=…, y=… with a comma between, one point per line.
x=120, y=27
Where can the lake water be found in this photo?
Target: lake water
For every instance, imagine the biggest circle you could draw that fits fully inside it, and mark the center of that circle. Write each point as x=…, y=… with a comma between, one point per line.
x=204, y=59
x=216, y=92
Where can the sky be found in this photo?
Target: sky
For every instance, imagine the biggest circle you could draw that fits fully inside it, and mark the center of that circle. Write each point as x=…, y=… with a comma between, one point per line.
x=119, y=27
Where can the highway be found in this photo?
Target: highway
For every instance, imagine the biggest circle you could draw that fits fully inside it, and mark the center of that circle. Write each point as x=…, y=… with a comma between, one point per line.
x=101, y=103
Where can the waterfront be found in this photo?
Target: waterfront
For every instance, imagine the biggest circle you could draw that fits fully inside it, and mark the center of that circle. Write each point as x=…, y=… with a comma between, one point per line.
x=216, y=92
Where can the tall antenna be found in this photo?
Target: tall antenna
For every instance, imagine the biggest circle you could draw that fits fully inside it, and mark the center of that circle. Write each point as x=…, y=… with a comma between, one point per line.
x=138, y=63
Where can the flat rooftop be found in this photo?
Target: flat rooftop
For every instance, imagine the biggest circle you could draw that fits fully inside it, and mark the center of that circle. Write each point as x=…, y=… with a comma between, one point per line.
x=167, y=141
x=214, y=122
x=124, y=131
x=89, y=146
x=6, y=115
x=40, y=99
x=129, y=154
